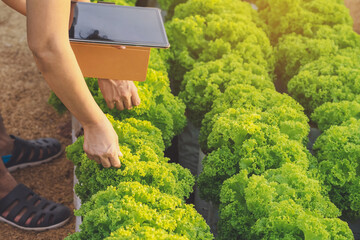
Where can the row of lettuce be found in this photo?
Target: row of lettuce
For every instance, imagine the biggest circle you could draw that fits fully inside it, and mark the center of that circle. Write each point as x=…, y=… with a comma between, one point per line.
x=145, y=198
x=318, y=62
x=223, y=63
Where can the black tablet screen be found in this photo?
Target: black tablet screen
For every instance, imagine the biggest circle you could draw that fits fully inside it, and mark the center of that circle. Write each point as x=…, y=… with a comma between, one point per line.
x=112, y=24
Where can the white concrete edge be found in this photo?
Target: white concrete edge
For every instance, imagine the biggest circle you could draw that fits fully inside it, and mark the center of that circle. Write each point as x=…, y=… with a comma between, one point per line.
x=75, y=128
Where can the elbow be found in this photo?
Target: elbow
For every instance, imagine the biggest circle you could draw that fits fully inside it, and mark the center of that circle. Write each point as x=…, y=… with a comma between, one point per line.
x=48, y=52
x=46, y=49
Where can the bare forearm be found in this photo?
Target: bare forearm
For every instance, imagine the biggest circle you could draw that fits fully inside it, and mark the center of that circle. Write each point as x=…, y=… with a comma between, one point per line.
x=18, y=5
x=48, y=39
x=64, y=77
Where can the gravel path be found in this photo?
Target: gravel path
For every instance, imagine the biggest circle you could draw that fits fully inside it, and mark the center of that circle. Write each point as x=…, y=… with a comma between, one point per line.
x=354, y=6
x=23, y=105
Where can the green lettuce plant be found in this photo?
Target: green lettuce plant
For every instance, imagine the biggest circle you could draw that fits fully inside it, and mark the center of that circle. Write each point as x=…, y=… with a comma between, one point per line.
x=218, y=7
x=250, y=140
x=326, y=80
x=143, y=161
x=158, y=106
x=294, y=51
x=233, y=126
x=134, y=211
x=59, y=107
x=143, y=166
x=338, y=151
x=335, y=113
x=157, y=60
x=301, y=17
x=248, y=97
x=282, y=203
x=207, y=38
x=208, y=80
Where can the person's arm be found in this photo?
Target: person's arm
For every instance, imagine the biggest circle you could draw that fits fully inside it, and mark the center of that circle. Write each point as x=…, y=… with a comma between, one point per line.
x=48, y=39
x=120, y=93
x=18, y=5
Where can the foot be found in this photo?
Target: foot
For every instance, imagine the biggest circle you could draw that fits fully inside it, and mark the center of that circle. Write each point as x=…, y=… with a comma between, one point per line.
x=7, y=182
x=6, y=144
x=24, y=209
x=28, y=153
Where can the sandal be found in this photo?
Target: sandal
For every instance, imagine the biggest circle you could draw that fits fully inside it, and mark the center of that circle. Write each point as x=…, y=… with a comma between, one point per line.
x=37, y=213
x=32, y=152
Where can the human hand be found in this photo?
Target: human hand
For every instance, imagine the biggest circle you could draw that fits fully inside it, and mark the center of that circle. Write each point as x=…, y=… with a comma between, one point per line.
x=121, y=93
x=101, y=144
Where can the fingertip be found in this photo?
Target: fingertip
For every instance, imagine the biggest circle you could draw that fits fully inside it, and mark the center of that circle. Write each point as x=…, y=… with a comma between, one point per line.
x=105, y=163
x=110, y=104
x=136, y=100
x=117, y=165
x=136, y=103
x=127, y=103
x=120, y=105
x=115, y=161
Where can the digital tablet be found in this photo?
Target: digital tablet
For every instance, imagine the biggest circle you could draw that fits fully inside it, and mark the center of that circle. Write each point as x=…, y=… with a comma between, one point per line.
x=117, y=25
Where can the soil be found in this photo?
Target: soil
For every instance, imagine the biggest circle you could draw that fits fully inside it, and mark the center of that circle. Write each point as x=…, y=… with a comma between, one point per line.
x=354, y=6
x=23, y=105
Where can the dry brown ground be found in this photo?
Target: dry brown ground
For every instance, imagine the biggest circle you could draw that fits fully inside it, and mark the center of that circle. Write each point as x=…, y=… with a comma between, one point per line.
x=23, y=96
x=354, y=6
x=23, y=104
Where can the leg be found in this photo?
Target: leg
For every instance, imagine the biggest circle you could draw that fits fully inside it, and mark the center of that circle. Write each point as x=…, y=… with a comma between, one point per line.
x=7, y=182
x=6, y=143
x=26, y=153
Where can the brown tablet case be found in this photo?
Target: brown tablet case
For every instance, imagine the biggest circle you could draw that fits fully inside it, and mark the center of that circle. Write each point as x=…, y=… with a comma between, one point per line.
x=120, y=49
x=108, y=61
